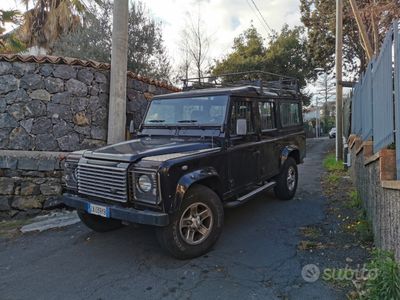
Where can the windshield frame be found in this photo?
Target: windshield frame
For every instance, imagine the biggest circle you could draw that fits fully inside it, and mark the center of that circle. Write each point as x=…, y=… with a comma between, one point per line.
x=177, y=125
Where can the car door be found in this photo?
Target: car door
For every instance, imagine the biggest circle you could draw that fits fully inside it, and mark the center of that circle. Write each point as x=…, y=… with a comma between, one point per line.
x=269, y=159
x=243, y=151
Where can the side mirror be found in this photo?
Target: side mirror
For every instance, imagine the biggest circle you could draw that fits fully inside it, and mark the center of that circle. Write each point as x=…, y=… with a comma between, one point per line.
x=241, y=127
x=132, y=127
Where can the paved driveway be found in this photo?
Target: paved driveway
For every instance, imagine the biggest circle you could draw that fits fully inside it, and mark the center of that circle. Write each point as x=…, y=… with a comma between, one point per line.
x=256, y=257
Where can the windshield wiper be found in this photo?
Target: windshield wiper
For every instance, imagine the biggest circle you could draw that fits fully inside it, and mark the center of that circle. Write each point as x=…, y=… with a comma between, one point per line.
x=156, y=121
x=187, y=121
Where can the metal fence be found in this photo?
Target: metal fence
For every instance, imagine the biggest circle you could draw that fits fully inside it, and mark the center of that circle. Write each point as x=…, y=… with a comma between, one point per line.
x=396, y=47
x=376, y=98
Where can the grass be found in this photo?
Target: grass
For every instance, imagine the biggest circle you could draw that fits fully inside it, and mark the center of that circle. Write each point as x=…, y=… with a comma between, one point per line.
x=310, y=232
x=333, y=178
x=381, y=278
x=10, y=228
x=331, y=165
x=386, y=284
x=361, y=225
x=354, y=200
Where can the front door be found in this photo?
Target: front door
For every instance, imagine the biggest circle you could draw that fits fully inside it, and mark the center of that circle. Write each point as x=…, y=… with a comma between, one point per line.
x=243, y=152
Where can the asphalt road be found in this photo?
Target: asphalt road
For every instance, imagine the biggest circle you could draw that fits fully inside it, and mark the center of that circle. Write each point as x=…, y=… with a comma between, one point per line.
x=255, y=258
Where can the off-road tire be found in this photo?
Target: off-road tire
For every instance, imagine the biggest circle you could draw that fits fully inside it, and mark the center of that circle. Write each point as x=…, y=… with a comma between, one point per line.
x=98, y=223
x=170, y=237
x=282, y=190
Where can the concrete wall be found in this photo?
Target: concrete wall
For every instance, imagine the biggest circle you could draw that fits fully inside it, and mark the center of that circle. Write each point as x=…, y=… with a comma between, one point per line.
x=48, y=109
x=373, y=178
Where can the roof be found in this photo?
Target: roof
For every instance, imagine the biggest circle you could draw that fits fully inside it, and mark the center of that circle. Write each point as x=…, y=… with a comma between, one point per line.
x=84, y=63
x=242, y=90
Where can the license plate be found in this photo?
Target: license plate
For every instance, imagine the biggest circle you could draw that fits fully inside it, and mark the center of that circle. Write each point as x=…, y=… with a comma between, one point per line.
x=98, y=210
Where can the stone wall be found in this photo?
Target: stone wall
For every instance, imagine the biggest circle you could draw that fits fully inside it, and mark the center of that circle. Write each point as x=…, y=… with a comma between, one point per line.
x=29, y=182
x=381, y=197
x=47, y=109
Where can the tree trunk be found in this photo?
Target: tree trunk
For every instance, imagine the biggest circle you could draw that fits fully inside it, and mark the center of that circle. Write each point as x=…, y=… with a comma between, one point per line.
x=119, y=58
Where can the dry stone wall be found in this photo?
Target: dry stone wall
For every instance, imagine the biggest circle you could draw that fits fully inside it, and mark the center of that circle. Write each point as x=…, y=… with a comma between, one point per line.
x=47, y=110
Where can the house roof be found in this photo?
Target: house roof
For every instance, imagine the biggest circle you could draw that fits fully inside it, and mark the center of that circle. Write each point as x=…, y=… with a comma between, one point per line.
x=84, y=63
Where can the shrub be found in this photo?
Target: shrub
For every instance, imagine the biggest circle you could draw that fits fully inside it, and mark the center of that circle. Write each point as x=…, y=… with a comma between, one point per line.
x=386, y=284
x=331, y=164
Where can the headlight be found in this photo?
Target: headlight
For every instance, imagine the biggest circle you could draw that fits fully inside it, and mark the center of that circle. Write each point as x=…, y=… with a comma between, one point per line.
x=70, y=177
x=144, y=183
x=146, y=186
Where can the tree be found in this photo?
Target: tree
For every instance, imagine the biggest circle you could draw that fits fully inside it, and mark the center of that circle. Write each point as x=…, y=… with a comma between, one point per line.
x=9, y=43
x=195, y=44
x=285, y=54
x=318, y=16
x=48, y=19
x=248, y=54
x=92, y=40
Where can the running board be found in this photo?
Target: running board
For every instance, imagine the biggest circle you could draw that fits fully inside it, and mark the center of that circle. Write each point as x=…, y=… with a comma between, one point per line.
x=247, y=197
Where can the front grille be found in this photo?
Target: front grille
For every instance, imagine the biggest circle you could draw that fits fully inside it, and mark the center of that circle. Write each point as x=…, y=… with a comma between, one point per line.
x=103, y=181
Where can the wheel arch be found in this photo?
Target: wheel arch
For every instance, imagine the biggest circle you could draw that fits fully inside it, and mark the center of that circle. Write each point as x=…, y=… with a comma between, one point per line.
x=290, y=151
x=208, y=177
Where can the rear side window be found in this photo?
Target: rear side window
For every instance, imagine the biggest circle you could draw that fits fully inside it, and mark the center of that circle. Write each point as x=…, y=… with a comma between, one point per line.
x=290, y=114
x=242, y=110
x=267, y=115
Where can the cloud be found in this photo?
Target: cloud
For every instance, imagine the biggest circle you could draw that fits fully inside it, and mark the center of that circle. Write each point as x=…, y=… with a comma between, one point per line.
x=223, y=19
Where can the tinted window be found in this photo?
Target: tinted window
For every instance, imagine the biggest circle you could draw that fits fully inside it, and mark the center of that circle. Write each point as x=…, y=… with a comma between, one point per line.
x=267, y=115
x=242, y=110
x=290, y=114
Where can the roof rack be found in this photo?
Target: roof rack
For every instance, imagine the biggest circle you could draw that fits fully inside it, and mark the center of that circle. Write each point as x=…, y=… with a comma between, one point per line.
x=266, y=82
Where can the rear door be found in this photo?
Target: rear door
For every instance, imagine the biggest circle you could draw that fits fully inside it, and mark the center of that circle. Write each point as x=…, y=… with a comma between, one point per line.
x=269, y=160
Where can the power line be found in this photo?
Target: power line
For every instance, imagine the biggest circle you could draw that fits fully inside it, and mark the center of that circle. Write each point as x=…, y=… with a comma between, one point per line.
x=258, y=17
x=262, y=17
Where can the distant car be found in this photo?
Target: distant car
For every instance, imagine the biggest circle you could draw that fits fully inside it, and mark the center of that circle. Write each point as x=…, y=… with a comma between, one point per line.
x=332, y=133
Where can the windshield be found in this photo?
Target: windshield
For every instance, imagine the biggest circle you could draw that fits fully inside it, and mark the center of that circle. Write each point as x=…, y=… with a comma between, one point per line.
x=207, y=110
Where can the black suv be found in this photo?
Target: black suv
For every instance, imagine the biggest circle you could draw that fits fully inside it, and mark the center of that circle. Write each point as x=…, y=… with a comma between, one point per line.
x=196, y=152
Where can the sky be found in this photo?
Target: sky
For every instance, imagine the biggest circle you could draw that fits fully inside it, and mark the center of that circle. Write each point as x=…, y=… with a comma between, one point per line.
x=223, y=19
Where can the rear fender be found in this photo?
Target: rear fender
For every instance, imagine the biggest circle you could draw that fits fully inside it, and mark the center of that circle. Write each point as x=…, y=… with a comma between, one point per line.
x=290, y=150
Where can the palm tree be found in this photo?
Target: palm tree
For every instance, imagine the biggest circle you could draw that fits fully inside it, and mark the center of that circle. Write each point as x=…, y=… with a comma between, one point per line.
x=48, y=19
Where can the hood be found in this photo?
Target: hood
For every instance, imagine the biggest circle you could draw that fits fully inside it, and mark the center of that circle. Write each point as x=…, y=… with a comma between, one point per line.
x=134, y=150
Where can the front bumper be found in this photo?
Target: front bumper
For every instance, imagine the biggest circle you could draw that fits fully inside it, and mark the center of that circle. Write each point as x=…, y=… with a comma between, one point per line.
x=120, y=213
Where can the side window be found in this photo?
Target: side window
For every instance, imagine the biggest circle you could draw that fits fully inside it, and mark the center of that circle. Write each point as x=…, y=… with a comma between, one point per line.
x=242, y=110
x=290, y=114
x=267, y=115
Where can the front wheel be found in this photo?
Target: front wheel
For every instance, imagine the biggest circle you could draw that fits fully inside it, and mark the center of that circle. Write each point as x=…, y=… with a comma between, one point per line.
x=286, y=183
x=98, y=223
x=195, y=228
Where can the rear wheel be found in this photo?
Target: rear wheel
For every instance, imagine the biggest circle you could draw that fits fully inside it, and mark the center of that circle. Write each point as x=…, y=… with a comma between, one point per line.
x=98, y=223
x=286, y=183
x=195, y=228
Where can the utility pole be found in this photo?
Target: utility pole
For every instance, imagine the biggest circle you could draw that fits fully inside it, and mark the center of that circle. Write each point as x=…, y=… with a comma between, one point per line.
x=363, y=30
x=119, y=61
x=339, y=74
